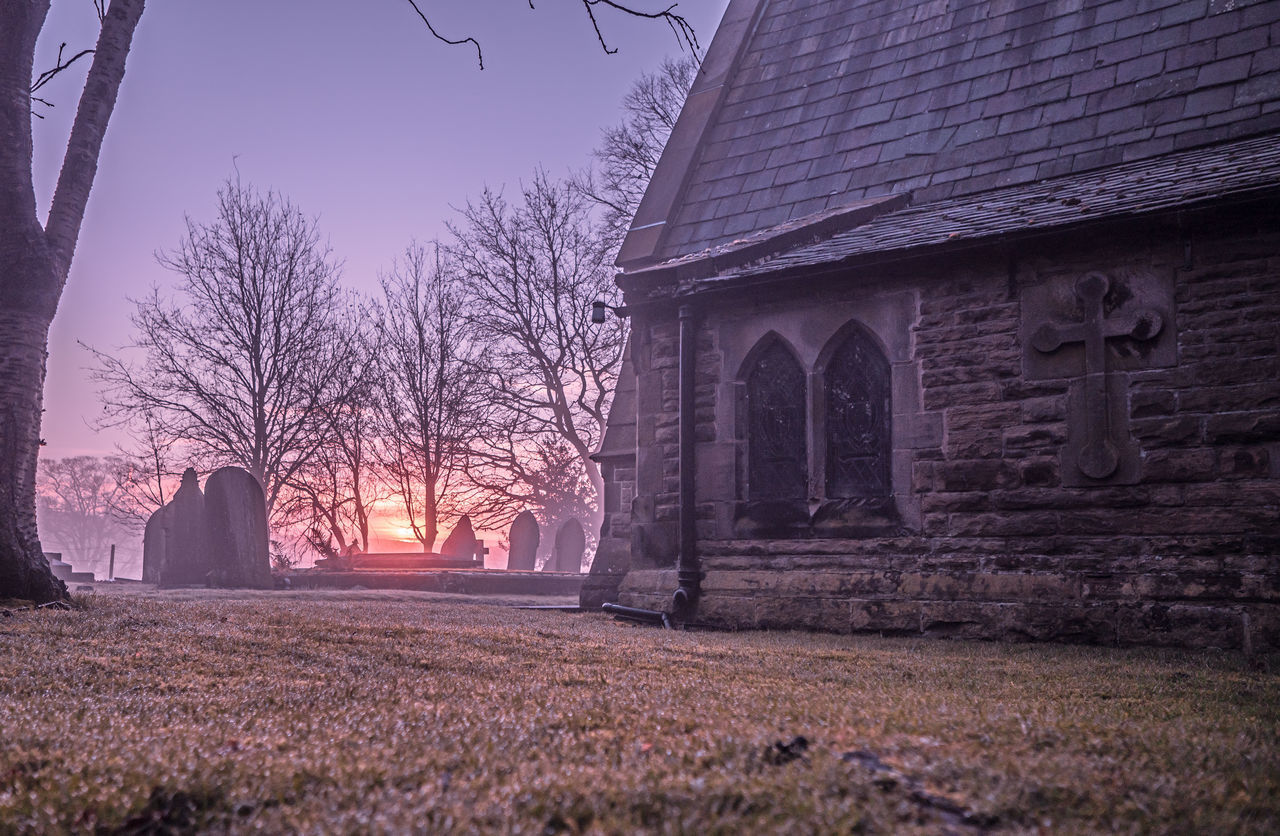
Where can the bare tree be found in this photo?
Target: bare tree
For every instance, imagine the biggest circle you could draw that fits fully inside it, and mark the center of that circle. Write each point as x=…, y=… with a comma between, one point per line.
x=628, y=152
x=259, y=350
x=335, y=492
x=75, y=498
x=431, y=407
x=35, y=257
x=531, y=272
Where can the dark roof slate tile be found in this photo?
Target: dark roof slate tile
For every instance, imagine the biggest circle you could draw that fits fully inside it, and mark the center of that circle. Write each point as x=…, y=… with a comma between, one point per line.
x=833, y=100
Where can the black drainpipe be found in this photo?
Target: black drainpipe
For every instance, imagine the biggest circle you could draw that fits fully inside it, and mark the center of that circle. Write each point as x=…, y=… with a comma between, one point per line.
x=687, y=572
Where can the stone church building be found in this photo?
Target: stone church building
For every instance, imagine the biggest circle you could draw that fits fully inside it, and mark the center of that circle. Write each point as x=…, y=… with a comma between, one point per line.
x=963, y=319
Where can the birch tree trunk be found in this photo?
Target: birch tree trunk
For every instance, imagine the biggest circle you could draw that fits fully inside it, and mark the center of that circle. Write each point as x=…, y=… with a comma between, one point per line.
x=34, y=261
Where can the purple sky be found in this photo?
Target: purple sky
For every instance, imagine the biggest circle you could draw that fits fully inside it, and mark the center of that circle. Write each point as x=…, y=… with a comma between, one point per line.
x=359, y=117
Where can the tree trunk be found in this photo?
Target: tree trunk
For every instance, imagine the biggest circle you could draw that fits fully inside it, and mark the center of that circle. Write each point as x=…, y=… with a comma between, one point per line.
x=25, y=268
x=596, y=478
x=24, y=573
x=34, y=261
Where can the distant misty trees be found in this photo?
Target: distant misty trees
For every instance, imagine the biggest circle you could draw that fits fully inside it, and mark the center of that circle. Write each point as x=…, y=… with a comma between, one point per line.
x=84, y=506
x=473, y=384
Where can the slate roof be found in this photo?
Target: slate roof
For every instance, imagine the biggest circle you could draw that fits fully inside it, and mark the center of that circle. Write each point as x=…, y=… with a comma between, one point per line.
x=1184, y=180
x=619, y=439
x=809, y=105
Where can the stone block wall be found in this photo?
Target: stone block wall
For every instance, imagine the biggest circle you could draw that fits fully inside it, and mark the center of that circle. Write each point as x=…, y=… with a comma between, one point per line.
x=612, y=558
x=1000, y=530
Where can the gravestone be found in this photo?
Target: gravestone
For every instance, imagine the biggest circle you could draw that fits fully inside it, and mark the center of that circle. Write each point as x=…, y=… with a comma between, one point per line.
x=153, y=544
x=461, y=542
x=525, y=536
x=566, y=555
x=235, y=517
x=186, y=553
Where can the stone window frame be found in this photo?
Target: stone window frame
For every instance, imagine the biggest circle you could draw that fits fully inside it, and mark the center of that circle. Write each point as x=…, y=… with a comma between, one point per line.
x=819, y=436
x=819, y=516
x=745, y=369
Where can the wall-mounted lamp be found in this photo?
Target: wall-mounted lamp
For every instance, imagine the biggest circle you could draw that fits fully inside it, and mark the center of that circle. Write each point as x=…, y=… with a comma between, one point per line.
x=598, y=308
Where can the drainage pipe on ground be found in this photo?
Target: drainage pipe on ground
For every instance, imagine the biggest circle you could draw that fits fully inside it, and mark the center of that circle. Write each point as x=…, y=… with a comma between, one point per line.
x=637, y=614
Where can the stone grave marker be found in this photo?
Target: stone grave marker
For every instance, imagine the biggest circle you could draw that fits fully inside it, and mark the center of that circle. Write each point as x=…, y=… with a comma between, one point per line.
x=153, y=544
x=461, y=542
x=525, y=536
x=186, y=554
x=236, y=530
x=566, y=555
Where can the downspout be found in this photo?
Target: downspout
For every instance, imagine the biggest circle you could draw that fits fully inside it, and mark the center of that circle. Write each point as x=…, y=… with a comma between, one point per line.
x=688, y=574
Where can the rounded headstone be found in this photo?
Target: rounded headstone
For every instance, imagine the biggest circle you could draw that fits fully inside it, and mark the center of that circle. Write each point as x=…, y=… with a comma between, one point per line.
x=571, y=542
x=461, y=542
x=525, y=535
x=186, y=554
x=237, y=530
x=153, y=544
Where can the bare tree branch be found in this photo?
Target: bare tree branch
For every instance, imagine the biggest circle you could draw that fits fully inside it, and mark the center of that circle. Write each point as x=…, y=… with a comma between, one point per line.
x=48, y=75
x=147, y=472
x=439, y=37
x=680, y=27
x=432, y=407
x=531, y=272
x=334, y=494
x=97, y=101
x=629, y=151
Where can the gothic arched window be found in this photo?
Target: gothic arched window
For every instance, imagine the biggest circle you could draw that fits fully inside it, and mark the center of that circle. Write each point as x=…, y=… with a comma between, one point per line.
x=777, y=466
x=858, y=413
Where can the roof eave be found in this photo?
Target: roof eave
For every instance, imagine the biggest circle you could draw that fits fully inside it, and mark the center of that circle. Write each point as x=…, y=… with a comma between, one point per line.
x=762, y=245
x=862, y=260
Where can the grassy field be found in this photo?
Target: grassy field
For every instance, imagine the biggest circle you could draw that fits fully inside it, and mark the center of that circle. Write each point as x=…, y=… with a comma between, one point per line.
x=386, y=712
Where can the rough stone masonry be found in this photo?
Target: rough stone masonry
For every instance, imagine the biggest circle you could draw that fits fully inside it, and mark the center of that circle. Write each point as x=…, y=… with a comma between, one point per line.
x=987, y=326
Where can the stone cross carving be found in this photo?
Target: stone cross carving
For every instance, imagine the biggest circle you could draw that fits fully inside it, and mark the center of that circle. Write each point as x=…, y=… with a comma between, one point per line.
x=1099, y=455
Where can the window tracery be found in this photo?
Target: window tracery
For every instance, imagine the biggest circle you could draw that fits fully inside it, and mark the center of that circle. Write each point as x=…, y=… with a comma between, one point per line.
x=776, y=425
x=857, y=420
